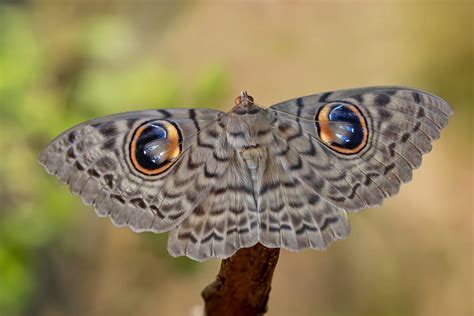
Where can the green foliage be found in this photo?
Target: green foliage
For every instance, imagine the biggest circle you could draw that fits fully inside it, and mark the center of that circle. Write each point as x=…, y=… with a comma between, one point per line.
x=43, y=94
x=211, y=87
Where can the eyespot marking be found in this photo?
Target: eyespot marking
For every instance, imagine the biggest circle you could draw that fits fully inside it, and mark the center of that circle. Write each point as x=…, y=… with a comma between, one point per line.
x=342, y=127
x=155, y=146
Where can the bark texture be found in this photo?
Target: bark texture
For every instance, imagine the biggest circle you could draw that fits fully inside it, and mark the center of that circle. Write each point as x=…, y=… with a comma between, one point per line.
x=243, y=284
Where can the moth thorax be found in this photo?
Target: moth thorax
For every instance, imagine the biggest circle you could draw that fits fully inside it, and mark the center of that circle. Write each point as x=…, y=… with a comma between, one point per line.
x=248, y=130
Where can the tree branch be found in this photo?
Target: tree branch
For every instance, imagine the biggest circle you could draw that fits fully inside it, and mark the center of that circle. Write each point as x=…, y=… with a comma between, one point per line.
x=243, y=284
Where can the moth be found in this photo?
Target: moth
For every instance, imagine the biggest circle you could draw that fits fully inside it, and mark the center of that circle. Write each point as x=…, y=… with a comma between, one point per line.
x=283, y=176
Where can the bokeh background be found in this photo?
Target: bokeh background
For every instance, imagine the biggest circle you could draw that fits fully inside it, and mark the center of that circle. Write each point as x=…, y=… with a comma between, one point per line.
x=63, y=62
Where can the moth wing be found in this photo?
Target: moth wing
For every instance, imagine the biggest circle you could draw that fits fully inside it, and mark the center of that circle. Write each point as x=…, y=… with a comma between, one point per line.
x=293, y=213
x=311, y=186
x=402, y=123
x=225, y=221
x=94, y=160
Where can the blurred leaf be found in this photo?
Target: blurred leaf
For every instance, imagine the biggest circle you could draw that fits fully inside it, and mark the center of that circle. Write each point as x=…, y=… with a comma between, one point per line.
x=142, y=86
x=20, y=61
x=106, y=38
x=212, y=86
x=16, y=282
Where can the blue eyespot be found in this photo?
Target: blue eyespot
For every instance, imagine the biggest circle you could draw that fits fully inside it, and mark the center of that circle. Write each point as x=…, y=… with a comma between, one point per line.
x=342, y=127
x=148, y=152
x=155, y=146
x=346, y=126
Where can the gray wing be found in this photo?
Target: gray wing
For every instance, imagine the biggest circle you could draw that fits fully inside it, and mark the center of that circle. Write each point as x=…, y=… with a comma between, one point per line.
x=225, y=221
x=310, y=186
x=95, y=160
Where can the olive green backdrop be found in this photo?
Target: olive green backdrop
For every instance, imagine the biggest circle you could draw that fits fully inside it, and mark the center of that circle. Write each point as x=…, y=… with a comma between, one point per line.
x=63, y=62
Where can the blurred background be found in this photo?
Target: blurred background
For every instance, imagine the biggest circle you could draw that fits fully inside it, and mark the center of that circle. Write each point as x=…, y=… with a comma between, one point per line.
x=63, y=62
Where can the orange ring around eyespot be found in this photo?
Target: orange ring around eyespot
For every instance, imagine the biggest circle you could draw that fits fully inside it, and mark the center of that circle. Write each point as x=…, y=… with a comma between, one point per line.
x=327, y=135
x=172, y=153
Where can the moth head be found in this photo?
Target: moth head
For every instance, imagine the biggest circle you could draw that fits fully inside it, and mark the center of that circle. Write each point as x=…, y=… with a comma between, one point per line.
x=243, y=99
x=342, y=127
x=155, y=146
x=244, y=104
